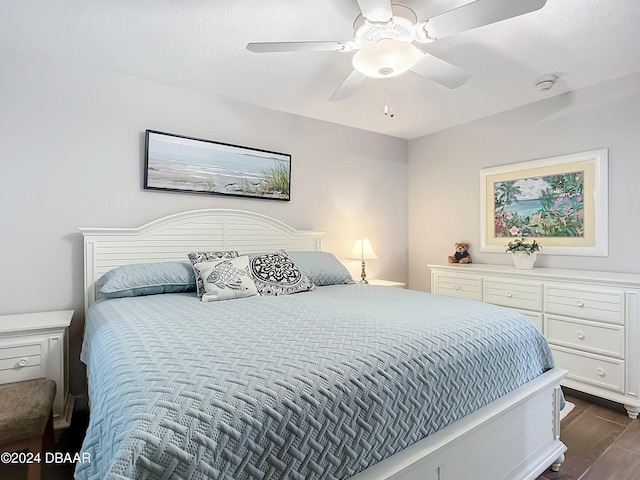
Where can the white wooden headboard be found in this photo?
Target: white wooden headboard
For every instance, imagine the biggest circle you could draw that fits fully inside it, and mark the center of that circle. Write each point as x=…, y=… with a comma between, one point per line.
x=171, y=238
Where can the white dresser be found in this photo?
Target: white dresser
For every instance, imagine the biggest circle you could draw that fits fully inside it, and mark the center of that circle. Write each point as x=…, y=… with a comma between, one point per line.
x=36, y=345
x=591, y=319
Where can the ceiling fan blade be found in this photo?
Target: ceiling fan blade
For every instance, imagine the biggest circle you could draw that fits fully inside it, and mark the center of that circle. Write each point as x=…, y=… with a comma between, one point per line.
x=376, y=10
x=349, y=86
x=267, y=47
x=477, y=14
x=441, y=72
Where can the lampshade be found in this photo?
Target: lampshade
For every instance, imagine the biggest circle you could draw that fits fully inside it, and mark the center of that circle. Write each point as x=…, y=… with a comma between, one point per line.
x=362, y=251
x=385, y=58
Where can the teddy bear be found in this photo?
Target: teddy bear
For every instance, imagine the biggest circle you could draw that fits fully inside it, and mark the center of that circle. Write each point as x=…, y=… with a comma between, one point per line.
x=461, y=255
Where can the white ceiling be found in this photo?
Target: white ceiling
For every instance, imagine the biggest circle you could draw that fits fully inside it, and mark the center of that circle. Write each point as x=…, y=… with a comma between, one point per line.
x=200, y=45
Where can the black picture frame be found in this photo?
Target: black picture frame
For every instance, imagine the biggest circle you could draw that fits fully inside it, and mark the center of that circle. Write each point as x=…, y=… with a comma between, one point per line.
x=178, y=163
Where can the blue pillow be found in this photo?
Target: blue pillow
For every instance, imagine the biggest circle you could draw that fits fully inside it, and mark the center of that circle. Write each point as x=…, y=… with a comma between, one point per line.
x=322, y=268
x=147, y=279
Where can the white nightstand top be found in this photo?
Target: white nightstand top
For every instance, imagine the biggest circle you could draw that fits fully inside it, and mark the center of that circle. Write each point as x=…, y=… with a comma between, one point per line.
x=35, y=321
x=386, y=283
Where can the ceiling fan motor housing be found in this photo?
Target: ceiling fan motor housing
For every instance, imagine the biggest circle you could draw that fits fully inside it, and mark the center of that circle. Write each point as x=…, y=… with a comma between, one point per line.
x=400, y=27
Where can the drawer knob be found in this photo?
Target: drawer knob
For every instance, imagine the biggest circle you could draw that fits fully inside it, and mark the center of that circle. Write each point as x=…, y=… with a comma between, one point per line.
x=580, y=303
x=23, y=362
x=581, y=335
x=509, y=294
x=600, y=371
x=457, y=287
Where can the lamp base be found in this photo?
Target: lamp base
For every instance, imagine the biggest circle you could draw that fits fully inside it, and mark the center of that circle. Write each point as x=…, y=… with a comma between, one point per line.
x=363, y=275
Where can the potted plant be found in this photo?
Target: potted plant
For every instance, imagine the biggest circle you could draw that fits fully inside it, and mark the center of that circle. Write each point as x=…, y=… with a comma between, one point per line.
x=524, y=253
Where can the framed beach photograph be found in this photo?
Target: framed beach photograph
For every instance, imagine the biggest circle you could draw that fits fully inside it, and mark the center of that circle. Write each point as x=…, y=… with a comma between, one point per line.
x=184, y=164
x=561, y=202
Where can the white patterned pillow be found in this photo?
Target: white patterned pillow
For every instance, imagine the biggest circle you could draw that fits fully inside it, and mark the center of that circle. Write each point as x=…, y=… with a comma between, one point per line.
x=226, y=278
x=276, y=274
x=199, y=257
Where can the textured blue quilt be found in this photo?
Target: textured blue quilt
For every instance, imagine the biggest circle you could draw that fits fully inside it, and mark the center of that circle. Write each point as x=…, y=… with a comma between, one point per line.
x=316, y=385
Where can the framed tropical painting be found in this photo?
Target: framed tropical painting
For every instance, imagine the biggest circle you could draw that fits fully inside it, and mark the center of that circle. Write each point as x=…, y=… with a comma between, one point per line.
x=561, y=202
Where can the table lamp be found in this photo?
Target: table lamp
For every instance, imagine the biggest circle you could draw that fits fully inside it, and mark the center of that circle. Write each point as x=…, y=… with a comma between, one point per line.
x=362, y=251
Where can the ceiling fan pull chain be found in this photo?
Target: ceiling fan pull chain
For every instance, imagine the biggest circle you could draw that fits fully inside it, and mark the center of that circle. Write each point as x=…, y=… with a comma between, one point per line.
x=388, y=91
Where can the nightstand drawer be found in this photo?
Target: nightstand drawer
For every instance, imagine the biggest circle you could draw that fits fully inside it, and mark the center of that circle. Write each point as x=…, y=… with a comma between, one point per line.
x=603, y=305
x=588, y=336
x=21, y=358
x=604, y=372
x=527, y=296
x=460, y=286
x=386, y=283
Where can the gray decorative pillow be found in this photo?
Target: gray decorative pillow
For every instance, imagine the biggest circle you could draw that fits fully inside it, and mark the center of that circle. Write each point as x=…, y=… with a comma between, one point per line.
x=199, y=257
x=322, y=268
x=276, y=274
x=147, y=279
x=226, y=279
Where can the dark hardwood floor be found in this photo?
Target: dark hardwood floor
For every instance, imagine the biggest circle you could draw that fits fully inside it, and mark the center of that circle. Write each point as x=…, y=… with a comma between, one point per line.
x=603, y=444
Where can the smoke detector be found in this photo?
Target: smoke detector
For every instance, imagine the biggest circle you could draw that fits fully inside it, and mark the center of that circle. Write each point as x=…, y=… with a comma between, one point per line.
x=545, y=82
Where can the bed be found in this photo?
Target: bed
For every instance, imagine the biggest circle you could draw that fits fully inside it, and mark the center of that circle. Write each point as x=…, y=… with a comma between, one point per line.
x=342, y=381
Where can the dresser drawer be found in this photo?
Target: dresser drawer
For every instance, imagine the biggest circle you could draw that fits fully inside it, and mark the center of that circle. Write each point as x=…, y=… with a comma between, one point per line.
x=603, y=372
x=602, y=305
x=534, y=316
x=22, y=359
x=525, y=295
x=460, y=286
x=601, y=338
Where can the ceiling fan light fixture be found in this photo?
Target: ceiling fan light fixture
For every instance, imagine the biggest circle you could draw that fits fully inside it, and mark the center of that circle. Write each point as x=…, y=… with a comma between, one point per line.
x=386, y=58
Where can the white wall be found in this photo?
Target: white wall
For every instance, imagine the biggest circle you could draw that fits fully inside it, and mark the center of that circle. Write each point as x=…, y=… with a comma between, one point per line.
x=72, y=146
x=444, y=179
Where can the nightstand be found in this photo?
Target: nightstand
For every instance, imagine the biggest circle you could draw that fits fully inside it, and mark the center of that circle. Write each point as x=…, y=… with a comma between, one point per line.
x=36, y=345
x=386, y=283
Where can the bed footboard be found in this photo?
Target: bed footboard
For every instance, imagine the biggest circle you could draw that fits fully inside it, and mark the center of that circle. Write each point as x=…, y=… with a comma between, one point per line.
x=516, y=437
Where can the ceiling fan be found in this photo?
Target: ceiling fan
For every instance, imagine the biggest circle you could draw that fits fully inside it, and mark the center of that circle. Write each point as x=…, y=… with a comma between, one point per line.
x=385, y=35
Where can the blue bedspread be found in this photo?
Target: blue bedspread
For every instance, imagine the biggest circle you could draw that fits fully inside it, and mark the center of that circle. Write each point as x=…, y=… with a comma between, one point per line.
x=316, y=385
